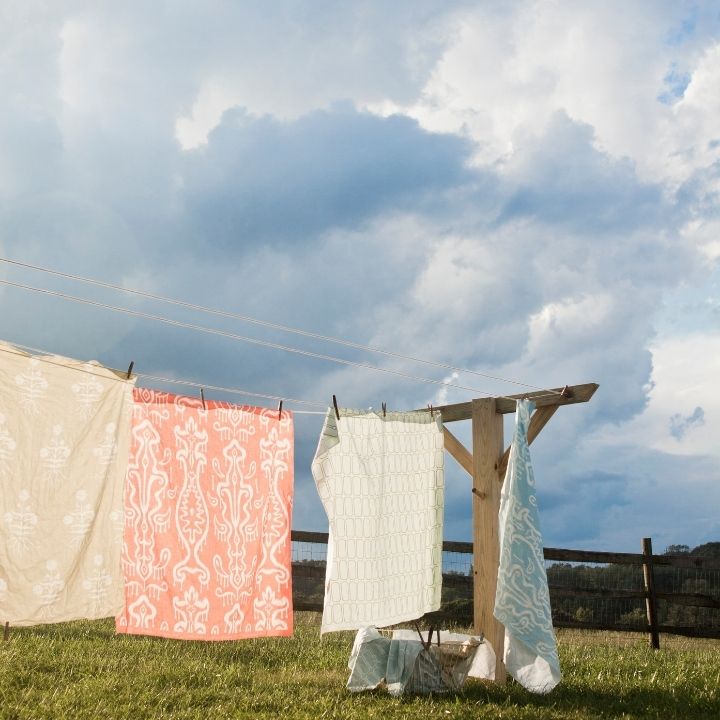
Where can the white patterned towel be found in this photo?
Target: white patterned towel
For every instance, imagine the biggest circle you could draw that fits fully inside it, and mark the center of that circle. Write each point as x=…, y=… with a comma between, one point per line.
x=522, y=601
x=381, y=481
x=64, y=433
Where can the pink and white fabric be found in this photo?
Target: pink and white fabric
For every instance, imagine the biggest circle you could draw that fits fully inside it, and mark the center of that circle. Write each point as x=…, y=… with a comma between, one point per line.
x=208, y=507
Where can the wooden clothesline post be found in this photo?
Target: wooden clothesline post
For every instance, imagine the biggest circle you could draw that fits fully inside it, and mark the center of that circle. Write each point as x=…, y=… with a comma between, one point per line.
x=486, y=465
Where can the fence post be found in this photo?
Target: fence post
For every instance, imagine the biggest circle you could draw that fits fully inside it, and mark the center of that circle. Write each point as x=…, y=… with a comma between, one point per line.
x=650, y=598
x=6, y=632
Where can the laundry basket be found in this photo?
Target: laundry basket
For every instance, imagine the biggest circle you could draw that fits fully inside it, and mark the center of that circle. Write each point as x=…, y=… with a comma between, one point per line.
x=408, y=662
x=443, y=665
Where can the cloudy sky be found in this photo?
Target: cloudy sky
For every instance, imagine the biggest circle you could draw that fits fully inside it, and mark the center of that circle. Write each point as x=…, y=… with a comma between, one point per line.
x=526, y=189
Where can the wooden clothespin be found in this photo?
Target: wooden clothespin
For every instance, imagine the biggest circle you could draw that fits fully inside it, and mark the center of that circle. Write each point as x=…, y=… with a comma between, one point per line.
x=430, y=408
x=384, y=407
x=202, y=397
x=566, y=392
x=132, y=363
x=335, y=405
x=280, y=410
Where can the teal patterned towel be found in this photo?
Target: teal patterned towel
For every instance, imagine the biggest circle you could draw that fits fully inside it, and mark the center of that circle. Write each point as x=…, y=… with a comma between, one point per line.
x=522, y=601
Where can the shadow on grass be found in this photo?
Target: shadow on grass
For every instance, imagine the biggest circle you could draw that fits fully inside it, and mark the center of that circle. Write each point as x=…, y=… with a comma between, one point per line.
x=70, y=631
x=638, y=701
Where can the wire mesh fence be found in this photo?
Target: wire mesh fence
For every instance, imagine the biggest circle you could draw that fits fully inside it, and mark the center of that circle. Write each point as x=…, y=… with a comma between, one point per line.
x=597, y=594
x=585, y=594
x=692, y=585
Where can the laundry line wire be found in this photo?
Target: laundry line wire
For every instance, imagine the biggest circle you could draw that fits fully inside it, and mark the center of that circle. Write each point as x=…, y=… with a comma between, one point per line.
x=274, y=326
x=244, y=338
x=46, y=356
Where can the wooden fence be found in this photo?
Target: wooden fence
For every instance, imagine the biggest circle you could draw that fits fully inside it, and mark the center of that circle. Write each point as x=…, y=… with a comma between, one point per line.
x=650, y=575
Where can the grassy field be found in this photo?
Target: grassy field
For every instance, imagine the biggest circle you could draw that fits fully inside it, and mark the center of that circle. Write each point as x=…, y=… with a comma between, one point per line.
x=82, y=670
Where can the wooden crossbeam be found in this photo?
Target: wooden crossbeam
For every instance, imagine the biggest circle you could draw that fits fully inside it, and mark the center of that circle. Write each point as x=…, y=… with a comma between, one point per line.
x=458, y=451
x=539, y=419
x=504, y=405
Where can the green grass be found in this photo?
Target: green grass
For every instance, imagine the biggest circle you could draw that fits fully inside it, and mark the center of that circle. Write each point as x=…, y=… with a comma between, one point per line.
x=82, y=670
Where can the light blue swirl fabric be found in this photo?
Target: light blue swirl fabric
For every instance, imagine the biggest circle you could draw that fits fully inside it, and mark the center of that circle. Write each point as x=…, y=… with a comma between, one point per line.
x=522, y=600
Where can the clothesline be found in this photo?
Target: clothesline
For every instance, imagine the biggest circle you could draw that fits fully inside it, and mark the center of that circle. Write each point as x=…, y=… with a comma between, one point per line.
x=46, y=356
x=264, y=323
x=242, y=338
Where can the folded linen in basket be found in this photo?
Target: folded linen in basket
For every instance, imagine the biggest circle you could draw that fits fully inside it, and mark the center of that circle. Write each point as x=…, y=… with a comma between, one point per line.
x=473, y=654
x=407, y=665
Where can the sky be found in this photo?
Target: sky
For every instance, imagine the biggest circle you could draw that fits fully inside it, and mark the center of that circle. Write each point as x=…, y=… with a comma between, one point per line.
x=525, y=189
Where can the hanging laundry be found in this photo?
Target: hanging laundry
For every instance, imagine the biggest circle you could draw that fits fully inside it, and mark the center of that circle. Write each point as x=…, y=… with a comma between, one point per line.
x=207, y=553
x=64, y=433
x=381, y=481
x=522, y=600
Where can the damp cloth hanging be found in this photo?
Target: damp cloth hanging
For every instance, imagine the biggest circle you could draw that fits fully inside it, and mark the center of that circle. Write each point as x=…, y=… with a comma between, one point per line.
x=207, y=552
x=522, y=600
x=380, y=478
x=64, y=432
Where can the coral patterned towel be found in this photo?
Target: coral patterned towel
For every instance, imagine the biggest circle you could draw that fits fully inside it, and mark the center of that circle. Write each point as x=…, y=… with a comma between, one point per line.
x=207, y=520
x=64, y=432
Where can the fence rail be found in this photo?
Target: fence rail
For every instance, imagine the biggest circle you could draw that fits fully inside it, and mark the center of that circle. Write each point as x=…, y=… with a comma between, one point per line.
x=650, y=605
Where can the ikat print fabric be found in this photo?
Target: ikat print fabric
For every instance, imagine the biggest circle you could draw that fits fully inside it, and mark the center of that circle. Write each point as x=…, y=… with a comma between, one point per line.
x=381, y=481
x=208, y=504
x=522, y=600
x=64, y=433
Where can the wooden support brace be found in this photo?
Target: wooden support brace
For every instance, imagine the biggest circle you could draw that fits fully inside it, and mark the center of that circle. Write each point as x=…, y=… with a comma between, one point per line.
x=458, y=451
x=487, y=434
x=538, y=421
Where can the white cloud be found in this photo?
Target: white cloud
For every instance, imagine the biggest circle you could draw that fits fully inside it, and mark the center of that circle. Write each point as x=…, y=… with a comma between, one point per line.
x=514, y=66
x=685, y=371
x=288, y=63
x=554, y=258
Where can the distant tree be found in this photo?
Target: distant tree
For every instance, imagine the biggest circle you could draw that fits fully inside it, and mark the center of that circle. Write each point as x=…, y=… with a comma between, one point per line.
x=710, y=550
x=677, y=550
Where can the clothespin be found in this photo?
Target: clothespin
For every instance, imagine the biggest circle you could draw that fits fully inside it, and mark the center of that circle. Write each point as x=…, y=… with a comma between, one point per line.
x=337, y=412
x=384, y=407
x=430, y=408
x=132, y=363
x=280, y=410
x=566, y=392
x=202, y=397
